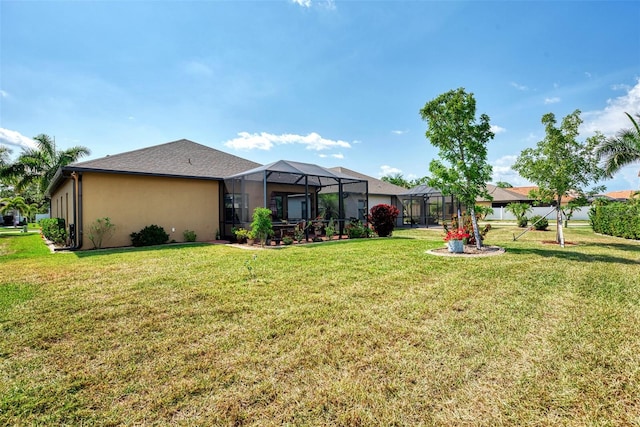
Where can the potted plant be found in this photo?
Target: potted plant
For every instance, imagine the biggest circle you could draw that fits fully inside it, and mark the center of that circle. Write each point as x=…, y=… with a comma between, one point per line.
x=455, y=239
x=241, y=234
x=251, y=238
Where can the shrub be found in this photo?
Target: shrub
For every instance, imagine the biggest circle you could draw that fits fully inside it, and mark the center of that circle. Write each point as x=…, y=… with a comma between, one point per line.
x=330, y=229
x=287, y=240
x=149, y=236
x=101, y=229
x=189, y=236
x=520, y=211
x=467, y=225
x=356, y=229
x=298, y=233
x=620, y=219
x=262, y=227
x=241, y=234
x=540, y=223
x=383, y=218
x=54, y=229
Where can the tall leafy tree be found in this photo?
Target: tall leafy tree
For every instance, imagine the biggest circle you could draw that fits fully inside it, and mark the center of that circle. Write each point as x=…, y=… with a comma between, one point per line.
x=4, y=156
x=560, y=164
x=622, y=149
x=462, y=141
x=39, y=165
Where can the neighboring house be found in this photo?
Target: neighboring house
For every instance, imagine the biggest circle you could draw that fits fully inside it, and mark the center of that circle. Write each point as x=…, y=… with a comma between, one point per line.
x=380, y=192
x=621, y=195
x=177, y=185
x=503, y=196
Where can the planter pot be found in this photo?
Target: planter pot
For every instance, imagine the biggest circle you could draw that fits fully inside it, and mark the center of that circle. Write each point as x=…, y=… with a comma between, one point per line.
x=456, y=246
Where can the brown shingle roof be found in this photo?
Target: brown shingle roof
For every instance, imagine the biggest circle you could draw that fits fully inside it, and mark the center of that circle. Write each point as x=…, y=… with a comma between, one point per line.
x=506, y=194
x=181, y=158
x=376, y=186
x=624, y=194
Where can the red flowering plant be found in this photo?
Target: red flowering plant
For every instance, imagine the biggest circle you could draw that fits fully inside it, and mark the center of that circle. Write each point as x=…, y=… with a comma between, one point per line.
x=456, y=234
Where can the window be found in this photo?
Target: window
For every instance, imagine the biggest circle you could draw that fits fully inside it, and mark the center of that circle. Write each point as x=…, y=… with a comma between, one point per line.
x=236, y=207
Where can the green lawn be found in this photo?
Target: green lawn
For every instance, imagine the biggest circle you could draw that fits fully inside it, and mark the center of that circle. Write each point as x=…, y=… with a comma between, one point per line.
x=362, y=332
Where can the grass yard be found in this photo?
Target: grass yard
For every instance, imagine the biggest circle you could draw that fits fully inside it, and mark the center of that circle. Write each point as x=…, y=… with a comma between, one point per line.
x=353, y=333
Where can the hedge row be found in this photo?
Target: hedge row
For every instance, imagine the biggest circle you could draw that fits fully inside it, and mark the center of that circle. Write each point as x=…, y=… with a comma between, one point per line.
x=616, y=219
x=54, y=229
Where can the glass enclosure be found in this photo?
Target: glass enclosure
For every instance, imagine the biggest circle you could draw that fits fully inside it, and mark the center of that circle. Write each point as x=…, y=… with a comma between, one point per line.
x=296, y=193
x=423, y=205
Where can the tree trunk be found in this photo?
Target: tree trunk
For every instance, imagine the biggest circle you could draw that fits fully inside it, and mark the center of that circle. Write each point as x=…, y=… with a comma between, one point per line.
x=476, y=230
x=559, y=232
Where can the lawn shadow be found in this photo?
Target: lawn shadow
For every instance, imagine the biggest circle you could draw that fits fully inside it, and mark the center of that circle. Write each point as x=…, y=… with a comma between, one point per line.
x=571, y=255
x=130, y=249
x=618, y=246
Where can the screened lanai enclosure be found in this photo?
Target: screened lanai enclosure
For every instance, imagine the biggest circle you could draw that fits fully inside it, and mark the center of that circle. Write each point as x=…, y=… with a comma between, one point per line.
x=424, y=205
x=296, y=193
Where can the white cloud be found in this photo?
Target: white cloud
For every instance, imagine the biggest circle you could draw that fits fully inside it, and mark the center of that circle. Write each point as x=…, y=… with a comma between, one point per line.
x=338, y=156
x=553, y=100
x=399, y=132
x=11, y=137
x=612, y=118
x=519, y=86
x=303, y=3
x=386, y=170
x=497, y=129
x=323, y=4
x=328, y=5
x=3, y=94
x=266, y=141
x=621, y=86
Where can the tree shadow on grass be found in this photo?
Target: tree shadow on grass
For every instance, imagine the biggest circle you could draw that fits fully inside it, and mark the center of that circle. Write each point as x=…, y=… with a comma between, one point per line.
x=571, y=255
x=130, y=249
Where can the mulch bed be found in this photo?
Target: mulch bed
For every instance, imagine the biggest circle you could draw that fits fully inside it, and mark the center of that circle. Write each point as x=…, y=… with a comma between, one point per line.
x=469, y=251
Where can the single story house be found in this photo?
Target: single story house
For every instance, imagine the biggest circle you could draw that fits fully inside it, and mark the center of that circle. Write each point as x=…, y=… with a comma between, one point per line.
x=183, y=185
x=177, y=185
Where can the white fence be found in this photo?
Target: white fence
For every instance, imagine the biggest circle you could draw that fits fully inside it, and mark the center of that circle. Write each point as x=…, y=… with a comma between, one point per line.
x=41, y=216
x=581, y=213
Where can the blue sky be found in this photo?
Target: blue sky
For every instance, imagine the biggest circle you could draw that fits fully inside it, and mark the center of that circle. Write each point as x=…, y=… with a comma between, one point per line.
x=336, y=83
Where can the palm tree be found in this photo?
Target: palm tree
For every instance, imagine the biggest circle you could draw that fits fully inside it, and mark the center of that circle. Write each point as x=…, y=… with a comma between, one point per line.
x=39, y=165
x=621, y=149
x=4, y=155
x=16, y=204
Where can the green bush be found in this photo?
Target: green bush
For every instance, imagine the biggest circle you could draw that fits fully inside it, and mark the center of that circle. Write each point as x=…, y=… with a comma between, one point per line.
x=539, y=223
x=149, y=236
x=262, y=226
x=356, y=229
x=54, y=229
x=100, y=230
x=620, y=219
x=189, y=236
x=523, y=221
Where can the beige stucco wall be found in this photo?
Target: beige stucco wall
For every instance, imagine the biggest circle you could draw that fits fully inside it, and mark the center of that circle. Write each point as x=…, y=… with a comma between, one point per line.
x=134, y=202
x=62, y=202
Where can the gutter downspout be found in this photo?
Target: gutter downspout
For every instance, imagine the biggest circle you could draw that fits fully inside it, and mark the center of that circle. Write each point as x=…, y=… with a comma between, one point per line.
x=79, y=231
